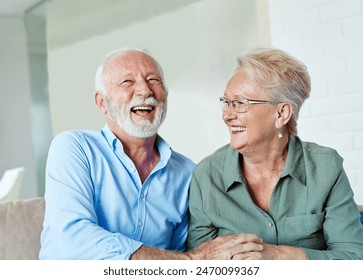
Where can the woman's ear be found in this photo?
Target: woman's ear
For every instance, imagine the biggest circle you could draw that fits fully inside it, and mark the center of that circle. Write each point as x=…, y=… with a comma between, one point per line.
x=100, y=102
x=283, y=114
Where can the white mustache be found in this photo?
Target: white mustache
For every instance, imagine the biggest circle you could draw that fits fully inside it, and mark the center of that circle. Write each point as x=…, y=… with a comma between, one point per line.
x=137, y=101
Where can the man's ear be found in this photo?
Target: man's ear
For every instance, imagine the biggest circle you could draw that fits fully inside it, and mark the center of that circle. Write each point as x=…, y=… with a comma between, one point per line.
x=283, y=114
x=100, y=102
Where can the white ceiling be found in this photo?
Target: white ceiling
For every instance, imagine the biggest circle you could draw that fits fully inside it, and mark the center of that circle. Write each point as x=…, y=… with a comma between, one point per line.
x=17, y=7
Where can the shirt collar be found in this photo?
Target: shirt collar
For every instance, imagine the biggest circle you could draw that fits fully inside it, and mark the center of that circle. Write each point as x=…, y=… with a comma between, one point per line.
x=232, y=169
x=294, y=166
x=110, y=136
x=295, y=163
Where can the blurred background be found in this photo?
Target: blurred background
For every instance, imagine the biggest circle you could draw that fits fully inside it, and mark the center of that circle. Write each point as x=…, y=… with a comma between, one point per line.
x=49, y=52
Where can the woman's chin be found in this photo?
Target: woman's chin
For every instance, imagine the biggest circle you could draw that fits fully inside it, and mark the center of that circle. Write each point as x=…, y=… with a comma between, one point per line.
x=236, y=145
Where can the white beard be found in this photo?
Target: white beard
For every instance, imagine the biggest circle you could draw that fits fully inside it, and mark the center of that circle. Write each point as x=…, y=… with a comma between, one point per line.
x=122, y=116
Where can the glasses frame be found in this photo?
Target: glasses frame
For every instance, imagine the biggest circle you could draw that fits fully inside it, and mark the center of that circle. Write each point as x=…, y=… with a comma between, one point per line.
x=245, y=101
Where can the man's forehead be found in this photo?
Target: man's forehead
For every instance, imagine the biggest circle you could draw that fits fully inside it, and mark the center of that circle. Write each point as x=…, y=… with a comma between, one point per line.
x=127, y=64
x=133, y=58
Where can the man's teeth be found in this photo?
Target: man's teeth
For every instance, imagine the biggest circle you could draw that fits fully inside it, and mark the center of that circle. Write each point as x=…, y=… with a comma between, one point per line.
x=238, y=128
x=143, y=108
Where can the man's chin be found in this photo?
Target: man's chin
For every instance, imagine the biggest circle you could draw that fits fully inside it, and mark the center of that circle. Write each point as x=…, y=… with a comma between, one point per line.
x=142, y=131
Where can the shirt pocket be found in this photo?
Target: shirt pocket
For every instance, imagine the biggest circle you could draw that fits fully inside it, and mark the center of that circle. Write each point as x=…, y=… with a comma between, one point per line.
x=305, y=231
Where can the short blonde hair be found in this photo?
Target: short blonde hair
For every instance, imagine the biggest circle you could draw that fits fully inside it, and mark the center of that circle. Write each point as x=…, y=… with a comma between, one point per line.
x=284, y=78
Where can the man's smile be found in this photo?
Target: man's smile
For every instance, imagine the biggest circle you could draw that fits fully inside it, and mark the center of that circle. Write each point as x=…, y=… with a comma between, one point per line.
x=142, y=110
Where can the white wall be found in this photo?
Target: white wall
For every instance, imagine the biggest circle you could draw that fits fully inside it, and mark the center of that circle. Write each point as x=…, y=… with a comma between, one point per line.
x=328, y=36
x=15, y=121
x=196, y=45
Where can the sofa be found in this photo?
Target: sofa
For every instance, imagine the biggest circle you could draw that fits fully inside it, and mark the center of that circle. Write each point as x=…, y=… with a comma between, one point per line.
x=21, y=224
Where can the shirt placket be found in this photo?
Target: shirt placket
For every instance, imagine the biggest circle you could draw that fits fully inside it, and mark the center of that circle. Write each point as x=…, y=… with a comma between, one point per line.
x=141, y=212
x=142, y=189
x=271, y=222
x=139, y=222
x=271, y=230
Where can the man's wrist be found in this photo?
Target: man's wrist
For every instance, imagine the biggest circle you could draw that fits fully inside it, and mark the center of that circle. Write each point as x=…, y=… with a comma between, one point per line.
x=191, y=255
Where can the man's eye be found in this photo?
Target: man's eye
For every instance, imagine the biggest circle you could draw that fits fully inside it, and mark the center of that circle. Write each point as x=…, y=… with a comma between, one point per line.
x=153, y=81
x=126, y=83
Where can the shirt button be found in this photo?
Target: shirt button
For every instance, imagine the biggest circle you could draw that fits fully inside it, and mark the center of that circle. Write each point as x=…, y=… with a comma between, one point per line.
x=141, y=223
x=132, y=169
x=142, y=196
x=270, y=224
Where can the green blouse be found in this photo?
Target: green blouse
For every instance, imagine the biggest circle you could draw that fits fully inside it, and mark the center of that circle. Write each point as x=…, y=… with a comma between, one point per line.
x=311, y=207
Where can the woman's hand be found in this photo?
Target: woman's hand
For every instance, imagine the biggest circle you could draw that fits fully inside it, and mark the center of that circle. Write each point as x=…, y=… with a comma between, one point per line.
x=228, y=246
x=274, y=252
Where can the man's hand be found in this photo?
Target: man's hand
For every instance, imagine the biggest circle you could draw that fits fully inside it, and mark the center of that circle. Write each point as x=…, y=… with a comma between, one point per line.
x=228, y=246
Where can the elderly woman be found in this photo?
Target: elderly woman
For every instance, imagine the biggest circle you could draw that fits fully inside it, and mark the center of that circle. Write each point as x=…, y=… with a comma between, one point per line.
x=295, y=195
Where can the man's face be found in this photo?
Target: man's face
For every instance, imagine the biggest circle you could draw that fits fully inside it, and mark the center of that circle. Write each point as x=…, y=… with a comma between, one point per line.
x=137, y=99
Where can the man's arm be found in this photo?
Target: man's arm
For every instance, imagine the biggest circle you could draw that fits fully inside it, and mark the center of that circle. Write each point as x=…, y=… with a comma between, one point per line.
x=71, y=229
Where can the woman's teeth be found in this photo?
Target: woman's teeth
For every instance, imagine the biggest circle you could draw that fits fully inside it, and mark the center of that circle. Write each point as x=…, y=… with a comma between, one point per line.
x=237, y=129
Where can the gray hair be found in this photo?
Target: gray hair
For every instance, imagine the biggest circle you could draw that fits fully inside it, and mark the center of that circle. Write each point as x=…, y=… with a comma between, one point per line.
x=283, y=77
x=99, y=77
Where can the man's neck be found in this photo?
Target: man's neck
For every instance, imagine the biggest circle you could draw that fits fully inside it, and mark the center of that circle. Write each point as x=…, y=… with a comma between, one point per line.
x=142, y=151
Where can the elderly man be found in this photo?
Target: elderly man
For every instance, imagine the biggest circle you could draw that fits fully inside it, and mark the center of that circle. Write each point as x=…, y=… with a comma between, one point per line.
x=122, y=192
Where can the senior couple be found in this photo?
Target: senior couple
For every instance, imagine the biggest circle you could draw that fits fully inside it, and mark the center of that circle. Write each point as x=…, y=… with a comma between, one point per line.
x=124, y=193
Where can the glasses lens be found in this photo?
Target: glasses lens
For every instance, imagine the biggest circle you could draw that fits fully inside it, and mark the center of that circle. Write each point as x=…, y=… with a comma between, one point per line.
x=240, y=105
x=224, y=103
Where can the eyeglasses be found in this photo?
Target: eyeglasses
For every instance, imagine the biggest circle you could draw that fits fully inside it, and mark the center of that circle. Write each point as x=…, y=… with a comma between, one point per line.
x=240, y=105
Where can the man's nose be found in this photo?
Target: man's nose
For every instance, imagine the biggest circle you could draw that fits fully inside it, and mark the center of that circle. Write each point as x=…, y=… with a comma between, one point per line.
x=143, y=89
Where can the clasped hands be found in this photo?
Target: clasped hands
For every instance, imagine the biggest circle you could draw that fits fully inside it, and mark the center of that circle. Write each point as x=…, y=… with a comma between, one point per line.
x=244, y=246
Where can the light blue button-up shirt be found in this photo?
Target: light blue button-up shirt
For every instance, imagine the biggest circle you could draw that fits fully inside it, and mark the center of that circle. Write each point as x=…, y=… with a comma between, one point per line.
x=97, y=206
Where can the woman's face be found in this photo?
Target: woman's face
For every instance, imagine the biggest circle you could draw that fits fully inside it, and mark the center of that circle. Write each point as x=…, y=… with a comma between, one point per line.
x=255, y=129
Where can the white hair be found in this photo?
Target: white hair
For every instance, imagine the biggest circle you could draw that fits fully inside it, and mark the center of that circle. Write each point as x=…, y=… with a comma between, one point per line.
x=99, y=77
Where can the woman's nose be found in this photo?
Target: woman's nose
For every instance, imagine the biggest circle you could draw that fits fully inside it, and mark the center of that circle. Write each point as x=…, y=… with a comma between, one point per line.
x=229, y=114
